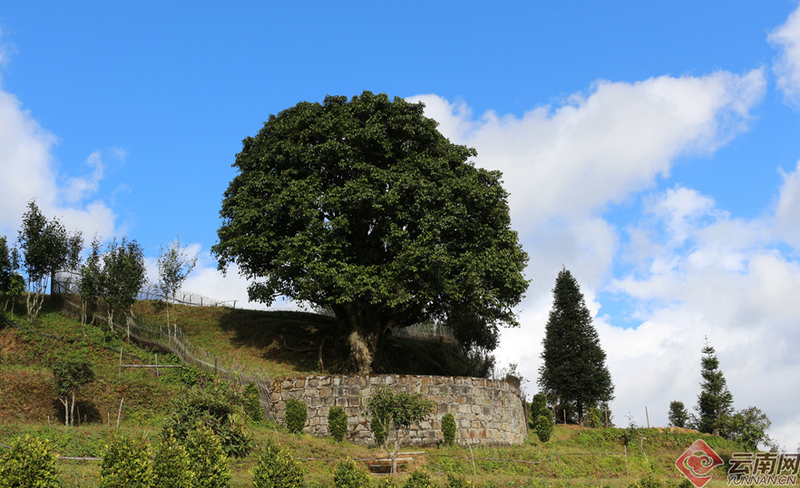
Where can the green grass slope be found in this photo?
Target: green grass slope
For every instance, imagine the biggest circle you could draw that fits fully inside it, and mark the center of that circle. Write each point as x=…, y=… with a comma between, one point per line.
x=287, y=344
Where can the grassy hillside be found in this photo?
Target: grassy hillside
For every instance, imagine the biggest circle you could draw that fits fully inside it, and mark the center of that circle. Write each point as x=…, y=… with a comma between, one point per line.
x=285, y=344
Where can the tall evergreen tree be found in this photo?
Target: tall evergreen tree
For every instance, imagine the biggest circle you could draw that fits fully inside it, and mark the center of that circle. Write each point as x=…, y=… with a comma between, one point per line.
x=574, y=369
x=715, y=402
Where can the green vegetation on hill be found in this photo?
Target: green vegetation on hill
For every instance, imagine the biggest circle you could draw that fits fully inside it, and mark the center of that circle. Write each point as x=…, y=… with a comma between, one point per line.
x=285, y=344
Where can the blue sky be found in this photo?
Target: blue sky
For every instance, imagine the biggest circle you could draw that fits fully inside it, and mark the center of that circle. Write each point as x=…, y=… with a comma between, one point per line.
x=649, y=147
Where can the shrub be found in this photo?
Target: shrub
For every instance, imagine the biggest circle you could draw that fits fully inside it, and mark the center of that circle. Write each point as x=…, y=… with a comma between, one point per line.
x=252, y=403
x=544, y=427
x=277, y=469
x=126, y=463
x=28, y=463
x=207, y=459
x=419, y=479
x=387, y=482
x=172, y=466
x=296, y=415
x=213, y=407
x=337, y=423
x=449, y=429
x=457, y=481
x=349, y=475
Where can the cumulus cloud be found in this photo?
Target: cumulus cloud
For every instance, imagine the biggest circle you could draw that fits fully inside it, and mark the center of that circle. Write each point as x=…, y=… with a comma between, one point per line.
x=28, y=171
x=787, y=67
x=572, y=160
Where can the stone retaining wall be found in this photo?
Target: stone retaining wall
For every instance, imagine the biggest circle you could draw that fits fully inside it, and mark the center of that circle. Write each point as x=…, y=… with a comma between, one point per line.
x=486, y=411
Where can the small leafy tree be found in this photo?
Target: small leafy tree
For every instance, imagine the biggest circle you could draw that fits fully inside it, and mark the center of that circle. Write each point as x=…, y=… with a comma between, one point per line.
x=277, y=469
x=126, y=463
x=541, y=418
x=123, y=277
x=207, y=459
x=449, y=429
x=749, y=426
x=28, y=462
x=348, y=475
x=457, y=481
x=337, y=423
x=396, y=412
x=174, y=266
x=70, y=374
x=91, y=280
x=46, y=248
x=296, y=415
x=171, y=465
x=678, y=416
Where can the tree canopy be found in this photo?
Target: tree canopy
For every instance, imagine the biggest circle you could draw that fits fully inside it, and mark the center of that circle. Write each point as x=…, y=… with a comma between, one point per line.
x=573, y=370
x=364, y=207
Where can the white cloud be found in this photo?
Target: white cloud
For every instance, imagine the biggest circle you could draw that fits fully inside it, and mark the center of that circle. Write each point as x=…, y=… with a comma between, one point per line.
x=571, y=161
x=787, y=68
x=27, y=171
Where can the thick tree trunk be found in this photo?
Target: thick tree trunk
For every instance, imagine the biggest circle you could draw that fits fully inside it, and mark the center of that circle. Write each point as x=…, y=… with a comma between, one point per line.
x=364, y=335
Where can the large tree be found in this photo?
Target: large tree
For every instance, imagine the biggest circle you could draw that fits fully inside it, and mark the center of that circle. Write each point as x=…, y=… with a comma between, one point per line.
x=715, y=402
x=573, y=370
x=362, y=206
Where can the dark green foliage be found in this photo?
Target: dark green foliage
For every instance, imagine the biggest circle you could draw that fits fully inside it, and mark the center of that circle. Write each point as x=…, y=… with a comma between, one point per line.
x=70, y=374
x=12, y=284
x=252, y=403
x=419, y=479
x=214, y=407
x=749, y=427
x=678, y=416
x=449, y=429
x=337, y=423
x=28, y=462
x=573, y=369
x=544, y=427
x=348, y=475
x=126, y=463
x=378, y=432
x=715, y=401
x=207, y=459
x=296, y=415
x=46, y=248
x=277, y=469
x=171, y=465
x=362, y=206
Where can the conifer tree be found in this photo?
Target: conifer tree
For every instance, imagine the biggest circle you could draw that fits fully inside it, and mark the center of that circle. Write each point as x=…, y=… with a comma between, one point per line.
x=715, y=402
x=573, y=369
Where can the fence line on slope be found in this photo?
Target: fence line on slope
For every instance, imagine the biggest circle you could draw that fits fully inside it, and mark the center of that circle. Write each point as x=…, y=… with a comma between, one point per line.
x=175, y=340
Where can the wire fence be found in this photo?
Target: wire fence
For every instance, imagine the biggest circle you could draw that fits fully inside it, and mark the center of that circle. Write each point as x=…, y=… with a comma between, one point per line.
x=174, y=339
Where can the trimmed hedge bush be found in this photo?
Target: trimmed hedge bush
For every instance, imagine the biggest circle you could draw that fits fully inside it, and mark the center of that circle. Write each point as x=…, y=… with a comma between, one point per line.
x=296, y=415
x=126, y=463
x=449, y=429
x=337, y=423
x=349, y=475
